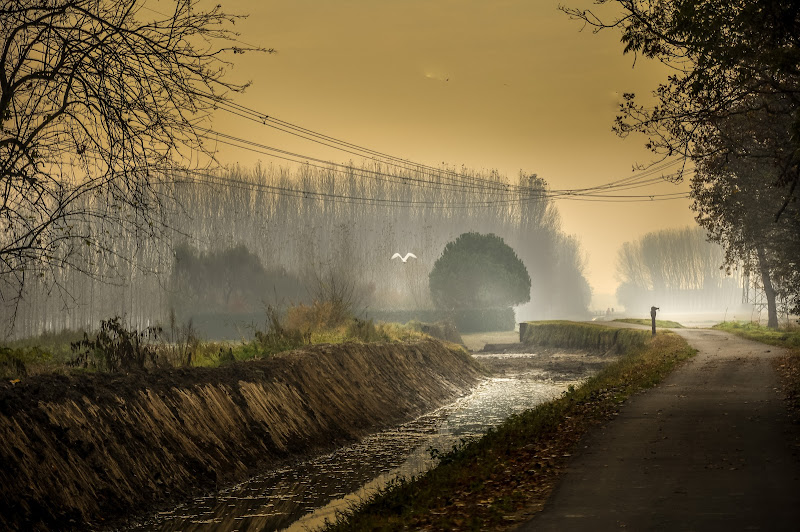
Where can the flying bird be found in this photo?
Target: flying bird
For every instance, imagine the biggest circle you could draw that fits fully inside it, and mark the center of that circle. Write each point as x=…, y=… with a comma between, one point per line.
x=404, y=259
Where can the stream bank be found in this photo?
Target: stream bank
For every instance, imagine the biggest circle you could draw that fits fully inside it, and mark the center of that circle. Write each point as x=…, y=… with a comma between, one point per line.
x=83, y=449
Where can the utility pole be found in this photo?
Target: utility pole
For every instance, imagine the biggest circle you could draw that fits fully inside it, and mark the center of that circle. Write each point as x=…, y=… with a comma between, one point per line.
x=653, y=318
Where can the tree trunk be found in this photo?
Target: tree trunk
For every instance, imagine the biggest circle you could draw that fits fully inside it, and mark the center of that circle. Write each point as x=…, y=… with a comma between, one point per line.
x=769, y=291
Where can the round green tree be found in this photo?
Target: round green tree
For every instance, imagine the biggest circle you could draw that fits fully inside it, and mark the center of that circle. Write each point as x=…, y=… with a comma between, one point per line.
x=479, y=271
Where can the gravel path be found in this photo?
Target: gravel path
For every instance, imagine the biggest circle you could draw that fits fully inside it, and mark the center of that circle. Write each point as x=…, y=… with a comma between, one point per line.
x=708, y=449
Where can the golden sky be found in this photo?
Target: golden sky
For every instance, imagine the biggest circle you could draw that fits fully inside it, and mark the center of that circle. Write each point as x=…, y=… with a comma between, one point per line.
x=495, y=84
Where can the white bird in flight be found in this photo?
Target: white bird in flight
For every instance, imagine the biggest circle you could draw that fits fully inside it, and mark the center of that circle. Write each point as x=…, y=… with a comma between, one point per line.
x=404, y=259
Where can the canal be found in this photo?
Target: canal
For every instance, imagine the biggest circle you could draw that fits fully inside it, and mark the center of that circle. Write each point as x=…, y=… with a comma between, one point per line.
x=304, y=495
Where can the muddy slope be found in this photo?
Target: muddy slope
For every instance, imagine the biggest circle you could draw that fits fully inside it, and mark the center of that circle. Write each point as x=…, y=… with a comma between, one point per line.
x=77, y=451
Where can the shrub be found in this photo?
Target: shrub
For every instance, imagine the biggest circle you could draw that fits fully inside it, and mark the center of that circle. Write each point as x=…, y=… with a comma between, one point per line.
x=365, y=331
x=116, y=348
x=12, y=363
x=278, y=337
x=318, y=315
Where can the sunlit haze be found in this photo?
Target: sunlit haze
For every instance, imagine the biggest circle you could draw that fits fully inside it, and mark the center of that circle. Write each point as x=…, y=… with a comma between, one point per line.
x=513, y=86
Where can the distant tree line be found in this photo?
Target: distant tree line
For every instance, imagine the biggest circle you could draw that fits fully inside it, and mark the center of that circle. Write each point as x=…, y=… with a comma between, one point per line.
x=237, y=245
x=678, y=270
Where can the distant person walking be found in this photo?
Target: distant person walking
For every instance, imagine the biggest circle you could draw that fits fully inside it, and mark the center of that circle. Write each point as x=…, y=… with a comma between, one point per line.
x=653, y=318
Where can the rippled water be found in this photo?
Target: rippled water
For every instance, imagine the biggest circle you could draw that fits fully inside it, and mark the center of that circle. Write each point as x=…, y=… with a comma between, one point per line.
x=303, y=496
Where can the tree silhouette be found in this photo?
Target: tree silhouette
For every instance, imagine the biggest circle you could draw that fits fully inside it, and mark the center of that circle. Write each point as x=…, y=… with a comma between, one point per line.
x=98, y=98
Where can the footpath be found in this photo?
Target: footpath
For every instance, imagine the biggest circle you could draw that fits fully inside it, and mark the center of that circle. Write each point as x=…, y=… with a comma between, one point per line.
x=711, y=448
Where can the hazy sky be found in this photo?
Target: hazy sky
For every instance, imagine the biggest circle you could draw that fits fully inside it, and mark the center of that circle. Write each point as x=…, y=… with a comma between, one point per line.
x=508, y=85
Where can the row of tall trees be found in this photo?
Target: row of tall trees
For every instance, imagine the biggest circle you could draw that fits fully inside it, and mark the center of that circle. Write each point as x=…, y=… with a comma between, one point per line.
x=676, y=269
x=732, y=106
x=245, y=238
x=325, y=224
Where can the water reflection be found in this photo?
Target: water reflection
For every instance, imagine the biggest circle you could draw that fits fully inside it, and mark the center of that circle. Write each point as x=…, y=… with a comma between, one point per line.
x=303, y=496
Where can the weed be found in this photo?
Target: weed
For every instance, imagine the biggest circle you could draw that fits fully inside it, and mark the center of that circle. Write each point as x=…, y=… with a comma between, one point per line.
x=182, y=344
x=225, y=356
x=115, y=348
x=279, y=338
x=364, y=331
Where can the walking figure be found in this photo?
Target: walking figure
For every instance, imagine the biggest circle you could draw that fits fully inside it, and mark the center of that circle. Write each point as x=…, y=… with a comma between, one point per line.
x=653, y=318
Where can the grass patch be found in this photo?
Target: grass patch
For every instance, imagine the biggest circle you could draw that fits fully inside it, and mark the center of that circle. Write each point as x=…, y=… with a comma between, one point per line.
x=667, y=324
x=590, y=336
x=753, y=331
x=116, y=347
x=497, y=481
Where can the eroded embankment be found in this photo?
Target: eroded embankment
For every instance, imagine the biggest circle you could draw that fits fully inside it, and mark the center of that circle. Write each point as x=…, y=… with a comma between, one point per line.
x=82, y=449
x=585, y=336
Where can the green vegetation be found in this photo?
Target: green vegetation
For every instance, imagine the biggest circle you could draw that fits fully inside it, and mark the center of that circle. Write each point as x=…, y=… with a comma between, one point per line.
x=116, y=347
x=659, y=323
x=488, y=483
x=479, y=271
x=753, y=331
x=572, y=335
x=20, y=358
x=467, y=320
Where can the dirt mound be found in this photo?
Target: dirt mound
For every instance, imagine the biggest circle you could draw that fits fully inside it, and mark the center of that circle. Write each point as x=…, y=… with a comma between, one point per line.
x=78, y=450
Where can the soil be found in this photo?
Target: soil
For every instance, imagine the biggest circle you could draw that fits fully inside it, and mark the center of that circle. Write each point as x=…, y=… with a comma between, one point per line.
x=710, y=448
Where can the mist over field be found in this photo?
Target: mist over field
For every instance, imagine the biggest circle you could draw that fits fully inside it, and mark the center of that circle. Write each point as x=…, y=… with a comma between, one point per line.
x=234, y=250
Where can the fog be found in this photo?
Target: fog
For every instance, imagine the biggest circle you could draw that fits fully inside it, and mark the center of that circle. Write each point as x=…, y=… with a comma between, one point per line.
x=243, y=239
x=682, y=273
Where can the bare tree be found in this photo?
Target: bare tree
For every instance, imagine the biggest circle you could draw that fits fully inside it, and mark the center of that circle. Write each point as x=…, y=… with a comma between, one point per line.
x=97, y=97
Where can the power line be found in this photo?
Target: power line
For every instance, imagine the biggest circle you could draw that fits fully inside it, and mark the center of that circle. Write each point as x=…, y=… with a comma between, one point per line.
x=206, y=178
x=440, y=178
x=499, y=188
x=355, y=149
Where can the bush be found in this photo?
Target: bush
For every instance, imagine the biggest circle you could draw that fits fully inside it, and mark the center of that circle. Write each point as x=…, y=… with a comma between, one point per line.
x=278, y=337
x=116, y=348
x=318, y=315
x=12, y=363
x=365, y=331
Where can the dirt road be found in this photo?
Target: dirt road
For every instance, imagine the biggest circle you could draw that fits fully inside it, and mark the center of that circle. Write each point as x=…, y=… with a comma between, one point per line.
x=708, y=449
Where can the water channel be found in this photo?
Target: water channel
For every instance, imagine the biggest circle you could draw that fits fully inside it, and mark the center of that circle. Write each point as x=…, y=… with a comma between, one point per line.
x=304, y=495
